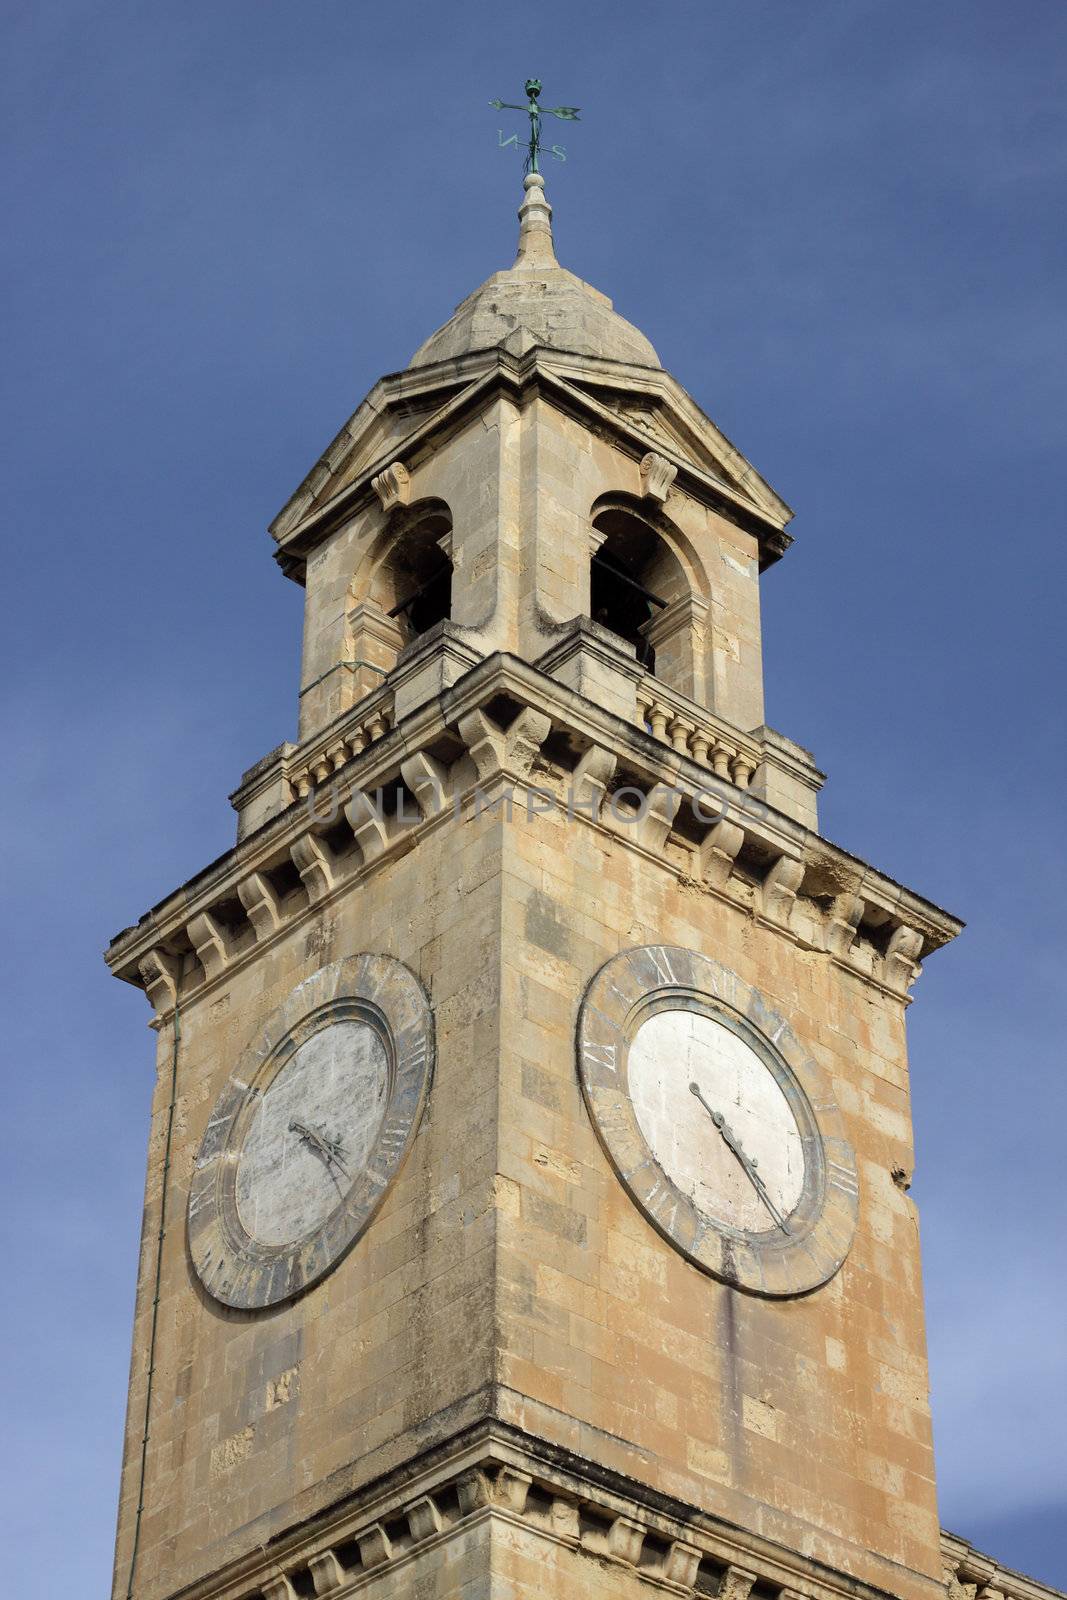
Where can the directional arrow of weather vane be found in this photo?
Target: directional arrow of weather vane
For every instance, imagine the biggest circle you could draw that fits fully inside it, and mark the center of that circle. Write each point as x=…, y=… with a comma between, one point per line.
x=535, y=112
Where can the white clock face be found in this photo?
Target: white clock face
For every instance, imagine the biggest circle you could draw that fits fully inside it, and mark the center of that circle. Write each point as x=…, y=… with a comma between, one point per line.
x=719, y=1122
x=312, y=1133
x=716, y=1120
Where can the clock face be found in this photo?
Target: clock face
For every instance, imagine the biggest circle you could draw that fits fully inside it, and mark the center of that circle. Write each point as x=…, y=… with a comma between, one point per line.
x=313, y=1128
x=716, y=1119
x=310, y=1131
x=720, y=1124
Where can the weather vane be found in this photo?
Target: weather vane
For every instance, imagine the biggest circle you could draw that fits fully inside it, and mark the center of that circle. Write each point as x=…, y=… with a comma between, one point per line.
x=535, y=112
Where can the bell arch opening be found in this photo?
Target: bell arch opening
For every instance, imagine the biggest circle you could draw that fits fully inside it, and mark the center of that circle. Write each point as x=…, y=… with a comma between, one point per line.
x=634, y=579
x=402, y=589
x=413, y=584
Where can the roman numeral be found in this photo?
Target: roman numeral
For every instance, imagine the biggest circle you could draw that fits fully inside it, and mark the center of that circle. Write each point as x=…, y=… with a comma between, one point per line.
x=393, y=1136
x=661, y=961
x=662, y=1204
x=601, y=1055
x=841, y=1178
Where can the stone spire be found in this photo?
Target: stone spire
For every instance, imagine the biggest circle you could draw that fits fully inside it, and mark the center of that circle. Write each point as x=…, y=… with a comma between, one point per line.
x=535, y=226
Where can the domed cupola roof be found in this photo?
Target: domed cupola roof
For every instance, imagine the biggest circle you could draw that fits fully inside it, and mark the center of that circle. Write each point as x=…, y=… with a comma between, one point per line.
x=557, y=309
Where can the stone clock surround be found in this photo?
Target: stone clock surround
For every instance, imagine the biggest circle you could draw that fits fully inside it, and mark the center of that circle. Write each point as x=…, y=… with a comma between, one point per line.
x=618, y=999
x=377, y=993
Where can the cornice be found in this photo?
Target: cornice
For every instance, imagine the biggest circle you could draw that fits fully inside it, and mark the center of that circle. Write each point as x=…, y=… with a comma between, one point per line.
x=493, y=1474
x=306, y=519
x=970, y=1575
x=451, y=750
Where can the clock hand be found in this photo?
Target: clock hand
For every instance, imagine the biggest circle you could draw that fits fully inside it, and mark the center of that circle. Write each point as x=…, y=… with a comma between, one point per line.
x=761, y=1189
x=748, y=1166
x=328, y=1150
x=309, y=1137
x=334, y=1147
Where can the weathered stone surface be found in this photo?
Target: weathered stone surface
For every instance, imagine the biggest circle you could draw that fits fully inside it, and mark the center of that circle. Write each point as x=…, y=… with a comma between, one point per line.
x=514, y=1383
x=541, y=298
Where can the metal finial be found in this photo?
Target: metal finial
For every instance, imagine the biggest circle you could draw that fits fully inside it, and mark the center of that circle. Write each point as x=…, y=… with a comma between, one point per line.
x=535, y=112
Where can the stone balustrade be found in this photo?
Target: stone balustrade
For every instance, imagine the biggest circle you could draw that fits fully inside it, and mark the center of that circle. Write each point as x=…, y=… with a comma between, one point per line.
x=372, y=720
x=694, y=732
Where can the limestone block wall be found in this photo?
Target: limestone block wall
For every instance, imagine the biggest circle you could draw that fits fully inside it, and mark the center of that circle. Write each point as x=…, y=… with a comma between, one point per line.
x=807, y=1419
x=325, y=688
x=508, y=1272
x=259, y=1419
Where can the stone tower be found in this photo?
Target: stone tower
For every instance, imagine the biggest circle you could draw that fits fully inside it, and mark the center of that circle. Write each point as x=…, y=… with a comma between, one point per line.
x=526, y=1210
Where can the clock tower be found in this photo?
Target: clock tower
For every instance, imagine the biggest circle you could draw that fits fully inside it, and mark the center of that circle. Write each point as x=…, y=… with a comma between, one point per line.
x=526, y=1209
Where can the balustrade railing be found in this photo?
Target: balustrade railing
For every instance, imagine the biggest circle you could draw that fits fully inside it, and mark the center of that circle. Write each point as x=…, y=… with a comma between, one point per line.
x=370, y=721
x=694, y=732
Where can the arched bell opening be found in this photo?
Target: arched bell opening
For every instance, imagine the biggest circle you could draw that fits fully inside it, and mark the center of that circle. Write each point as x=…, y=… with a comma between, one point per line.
x=414, y=581
x=402, y=590
x=635, y=579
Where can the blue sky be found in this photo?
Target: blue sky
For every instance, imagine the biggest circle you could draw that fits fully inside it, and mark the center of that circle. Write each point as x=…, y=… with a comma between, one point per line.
x=842, y=226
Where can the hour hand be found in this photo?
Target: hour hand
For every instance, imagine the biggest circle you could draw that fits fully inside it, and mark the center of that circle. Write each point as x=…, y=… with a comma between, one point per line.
x=748, y=1166
x=328, y=1150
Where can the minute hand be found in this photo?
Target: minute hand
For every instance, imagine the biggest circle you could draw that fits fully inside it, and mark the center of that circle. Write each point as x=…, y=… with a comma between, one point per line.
x=324, y=1148
x=749, y=1167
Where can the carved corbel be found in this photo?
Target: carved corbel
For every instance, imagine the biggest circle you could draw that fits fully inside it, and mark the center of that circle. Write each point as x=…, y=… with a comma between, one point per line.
x=393, y=486
x=525, y=737
x=424, y=1519
x=682, y=1564
x=718, y=852
x=261, y=901
x=493, y=749
x=625, y=1538
x=427, y=779
x=314, y=861
x=653, y=822
x=473, y=1490
x=375, y=1546
x=566, y=1523
x=846, y=913
x=211, y=942
x=160, y=972
x=902, y=958
x=590, y=779
x=960, y=1584
x=736, y=1584
x=657, y=475
x=278, y=1588
x=974, y=1572
x=779, y=890
x=368, y=824
x=326, y=1571
x=511, y=1488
